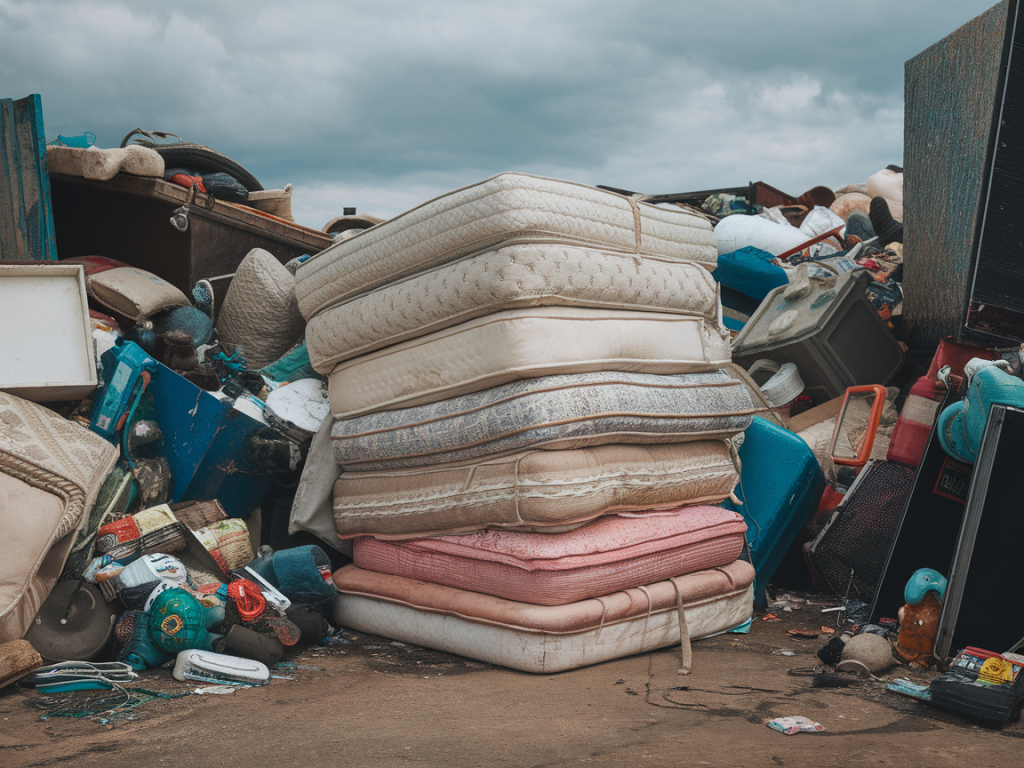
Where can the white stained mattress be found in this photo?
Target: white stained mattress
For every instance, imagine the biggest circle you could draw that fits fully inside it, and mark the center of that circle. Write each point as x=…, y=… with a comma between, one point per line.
x=507, y=278
x=550, y=412
x=542, y=638
x=508, y=208
x=520, y=344
x=532, y=491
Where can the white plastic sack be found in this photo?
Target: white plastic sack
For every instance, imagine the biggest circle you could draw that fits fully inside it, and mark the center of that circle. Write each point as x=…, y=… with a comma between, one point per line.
x=740, y=230
x=819, y=221
x=887, y=184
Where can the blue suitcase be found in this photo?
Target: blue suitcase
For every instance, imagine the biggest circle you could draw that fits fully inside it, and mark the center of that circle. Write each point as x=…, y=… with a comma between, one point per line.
x=780, y=485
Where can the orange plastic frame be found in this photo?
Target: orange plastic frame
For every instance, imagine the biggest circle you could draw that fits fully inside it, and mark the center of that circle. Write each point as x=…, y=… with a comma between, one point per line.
x=873, y=419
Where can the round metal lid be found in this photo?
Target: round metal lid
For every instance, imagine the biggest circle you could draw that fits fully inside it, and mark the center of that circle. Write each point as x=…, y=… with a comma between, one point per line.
x=75, y=623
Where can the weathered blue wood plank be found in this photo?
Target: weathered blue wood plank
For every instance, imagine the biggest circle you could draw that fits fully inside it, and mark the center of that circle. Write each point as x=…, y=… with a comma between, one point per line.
x=26, y=220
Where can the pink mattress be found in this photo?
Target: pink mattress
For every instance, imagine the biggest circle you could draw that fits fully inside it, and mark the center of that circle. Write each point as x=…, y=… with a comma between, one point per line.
x=608, y=555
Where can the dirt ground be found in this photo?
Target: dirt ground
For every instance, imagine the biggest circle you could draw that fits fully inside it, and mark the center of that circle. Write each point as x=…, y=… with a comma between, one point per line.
x=374, y=702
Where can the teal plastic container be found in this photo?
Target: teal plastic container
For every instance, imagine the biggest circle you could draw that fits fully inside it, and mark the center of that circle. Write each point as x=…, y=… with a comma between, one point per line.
x=780, y=486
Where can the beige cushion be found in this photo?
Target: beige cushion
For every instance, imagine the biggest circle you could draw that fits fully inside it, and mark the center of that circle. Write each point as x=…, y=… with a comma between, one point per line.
x=104, y=164
x=133, y=292
x=31, y=565
x=259, y=312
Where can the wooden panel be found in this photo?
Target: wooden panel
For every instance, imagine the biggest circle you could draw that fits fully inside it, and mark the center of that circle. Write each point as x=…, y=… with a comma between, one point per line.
x=950, y=93
x=128, y=219
x=94, y=221
x=26, y=222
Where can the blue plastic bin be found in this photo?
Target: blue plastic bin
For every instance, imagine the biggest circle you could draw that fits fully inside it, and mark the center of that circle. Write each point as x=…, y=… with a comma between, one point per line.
x=780, y=485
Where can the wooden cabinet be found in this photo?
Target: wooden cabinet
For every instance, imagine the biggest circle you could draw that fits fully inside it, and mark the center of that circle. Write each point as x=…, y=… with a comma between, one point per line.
x=129, y=219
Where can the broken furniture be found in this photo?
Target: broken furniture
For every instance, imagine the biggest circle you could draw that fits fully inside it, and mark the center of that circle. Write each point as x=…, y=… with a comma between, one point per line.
x=979, y=607
x=929, y=524
x=129, y=219
x=205, y=439
x=780, y=485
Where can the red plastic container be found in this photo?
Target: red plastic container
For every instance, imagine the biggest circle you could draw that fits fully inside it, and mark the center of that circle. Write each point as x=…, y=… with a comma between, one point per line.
x=910, y=436
x=914, y=426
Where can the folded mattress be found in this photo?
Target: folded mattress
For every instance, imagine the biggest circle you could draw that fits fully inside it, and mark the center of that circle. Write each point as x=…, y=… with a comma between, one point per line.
x=51, y=471
x=521, y=344
x=506, y=278
x=550, y=412
x=508, y=208
x=611, y=554
x=532, y=491
x=541, y=638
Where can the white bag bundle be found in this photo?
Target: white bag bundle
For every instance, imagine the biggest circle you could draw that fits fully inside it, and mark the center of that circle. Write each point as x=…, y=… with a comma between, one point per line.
x=739, y=231
x=819, y=221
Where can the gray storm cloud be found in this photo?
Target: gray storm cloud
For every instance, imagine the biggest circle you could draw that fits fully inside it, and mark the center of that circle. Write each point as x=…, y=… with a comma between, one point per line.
x=384, y=107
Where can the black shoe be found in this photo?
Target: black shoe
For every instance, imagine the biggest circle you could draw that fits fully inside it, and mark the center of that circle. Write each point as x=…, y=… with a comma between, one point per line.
x=886, y=227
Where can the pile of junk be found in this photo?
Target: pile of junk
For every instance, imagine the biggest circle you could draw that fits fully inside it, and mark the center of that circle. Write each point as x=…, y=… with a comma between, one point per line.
x=531, y=422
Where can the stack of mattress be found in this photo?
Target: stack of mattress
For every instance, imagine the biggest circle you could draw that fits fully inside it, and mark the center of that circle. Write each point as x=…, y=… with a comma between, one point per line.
x=532, y=393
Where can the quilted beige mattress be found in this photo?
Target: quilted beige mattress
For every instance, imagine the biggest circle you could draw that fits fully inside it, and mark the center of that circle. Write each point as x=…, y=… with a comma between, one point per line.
x=554, y=412
x=604, y=556
x=508, y=208
x=507, y=278
x=532, y=491
x=544, y=638
x=51, y=470
x=520, y=344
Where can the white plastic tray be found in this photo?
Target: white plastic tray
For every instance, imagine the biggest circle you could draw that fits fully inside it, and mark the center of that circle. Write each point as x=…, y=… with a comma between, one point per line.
x=45, y=334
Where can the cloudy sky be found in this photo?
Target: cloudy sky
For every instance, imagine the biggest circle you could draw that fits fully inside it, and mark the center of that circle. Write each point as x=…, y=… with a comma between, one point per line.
x=384, y=105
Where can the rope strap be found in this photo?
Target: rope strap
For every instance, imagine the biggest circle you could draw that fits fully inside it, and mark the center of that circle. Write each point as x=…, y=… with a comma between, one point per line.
x=686, y=651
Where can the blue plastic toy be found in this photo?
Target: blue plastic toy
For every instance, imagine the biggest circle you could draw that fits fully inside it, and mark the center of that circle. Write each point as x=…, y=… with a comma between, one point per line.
x=923, y=581
x=962, y=424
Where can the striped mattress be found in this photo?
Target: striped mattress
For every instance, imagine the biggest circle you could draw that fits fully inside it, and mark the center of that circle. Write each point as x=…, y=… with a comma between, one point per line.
x=520, y=344
x=550, y=412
